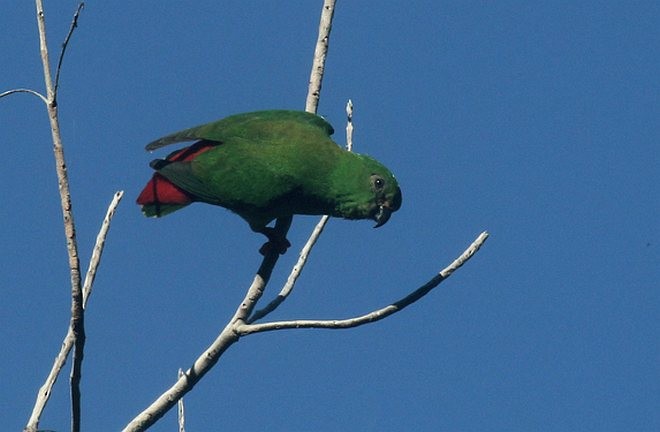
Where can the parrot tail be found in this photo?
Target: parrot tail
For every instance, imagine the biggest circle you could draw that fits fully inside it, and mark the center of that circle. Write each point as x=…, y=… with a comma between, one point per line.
x=160, y=196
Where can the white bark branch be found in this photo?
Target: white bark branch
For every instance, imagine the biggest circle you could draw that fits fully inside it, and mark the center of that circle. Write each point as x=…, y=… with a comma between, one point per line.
x=320, y=53
x=97, y=252
x=25, y=90
x=77, y=312
x=181, y=410
x=377, y=314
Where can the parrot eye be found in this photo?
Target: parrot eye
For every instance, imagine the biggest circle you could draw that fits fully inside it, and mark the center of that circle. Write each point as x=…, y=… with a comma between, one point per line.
x=378, y=182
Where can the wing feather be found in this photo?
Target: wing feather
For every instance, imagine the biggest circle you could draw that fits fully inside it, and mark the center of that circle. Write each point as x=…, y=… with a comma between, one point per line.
x=253, y=126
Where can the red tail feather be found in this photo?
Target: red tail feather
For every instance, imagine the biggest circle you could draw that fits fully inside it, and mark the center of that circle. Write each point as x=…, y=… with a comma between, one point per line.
x=160, y=190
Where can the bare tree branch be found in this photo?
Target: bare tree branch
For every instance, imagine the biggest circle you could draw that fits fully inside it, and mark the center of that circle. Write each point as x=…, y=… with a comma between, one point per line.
x=77, y=312
x=181, y=411
x=74, y=24
x=320, y=53
x=97, y=252
x=44, y=392
x=24, y=90
x=375, y=315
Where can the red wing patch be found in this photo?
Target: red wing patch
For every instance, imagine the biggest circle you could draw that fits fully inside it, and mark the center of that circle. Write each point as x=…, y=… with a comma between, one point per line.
x=190, y=153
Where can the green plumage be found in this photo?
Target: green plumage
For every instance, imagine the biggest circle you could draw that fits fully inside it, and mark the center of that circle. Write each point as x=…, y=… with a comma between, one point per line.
x=273, y=164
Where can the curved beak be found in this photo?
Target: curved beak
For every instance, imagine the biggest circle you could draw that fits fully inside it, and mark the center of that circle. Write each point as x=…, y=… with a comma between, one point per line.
x=383, y=215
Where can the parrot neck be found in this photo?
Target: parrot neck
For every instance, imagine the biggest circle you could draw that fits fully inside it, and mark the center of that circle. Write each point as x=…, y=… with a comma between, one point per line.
x=351, y=195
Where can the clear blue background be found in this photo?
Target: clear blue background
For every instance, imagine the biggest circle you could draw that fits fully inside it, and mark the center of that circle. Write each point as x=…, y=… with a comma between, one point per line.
x=538, y=122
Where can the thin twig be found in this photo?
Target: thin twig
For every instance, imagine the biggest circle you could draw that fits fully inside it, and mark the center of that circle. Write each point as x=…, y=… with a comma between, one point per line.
x=97, y=252
x=74, y=24
x=45, y=391
x=25, y=90
x=375, y=315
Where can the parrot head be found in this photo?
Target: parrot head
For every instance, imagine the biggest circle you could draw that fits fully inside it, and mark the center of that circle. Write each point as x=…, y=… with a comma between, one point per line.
x=368, y=190
x=387, y=197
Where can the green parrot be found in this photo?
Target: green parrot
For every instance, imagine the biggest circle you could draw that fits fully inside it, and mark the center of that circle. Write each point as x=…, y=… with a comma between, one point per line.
x=269, y=165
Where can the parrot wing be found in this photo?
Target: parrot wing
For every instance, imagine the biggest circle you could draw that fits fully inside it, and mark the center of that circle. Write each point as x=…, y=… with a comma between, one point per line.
x=182, y=175
x=251, y=126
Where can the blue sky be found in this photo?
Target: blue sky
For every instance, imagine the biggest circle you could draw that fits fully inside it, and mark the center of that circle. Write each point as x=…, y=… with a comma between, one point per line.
x=536, y=122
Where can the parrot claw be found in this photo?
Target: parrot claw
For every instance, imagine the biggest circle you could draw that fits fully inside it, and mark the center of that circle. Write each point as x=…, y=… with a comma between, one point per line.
x=278, y=245
x=275, y=242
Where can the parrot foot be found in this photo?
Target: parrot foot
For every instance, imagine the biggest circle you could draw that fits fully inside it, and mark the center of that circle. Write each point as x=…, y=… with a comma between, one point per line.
x=276, y=242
